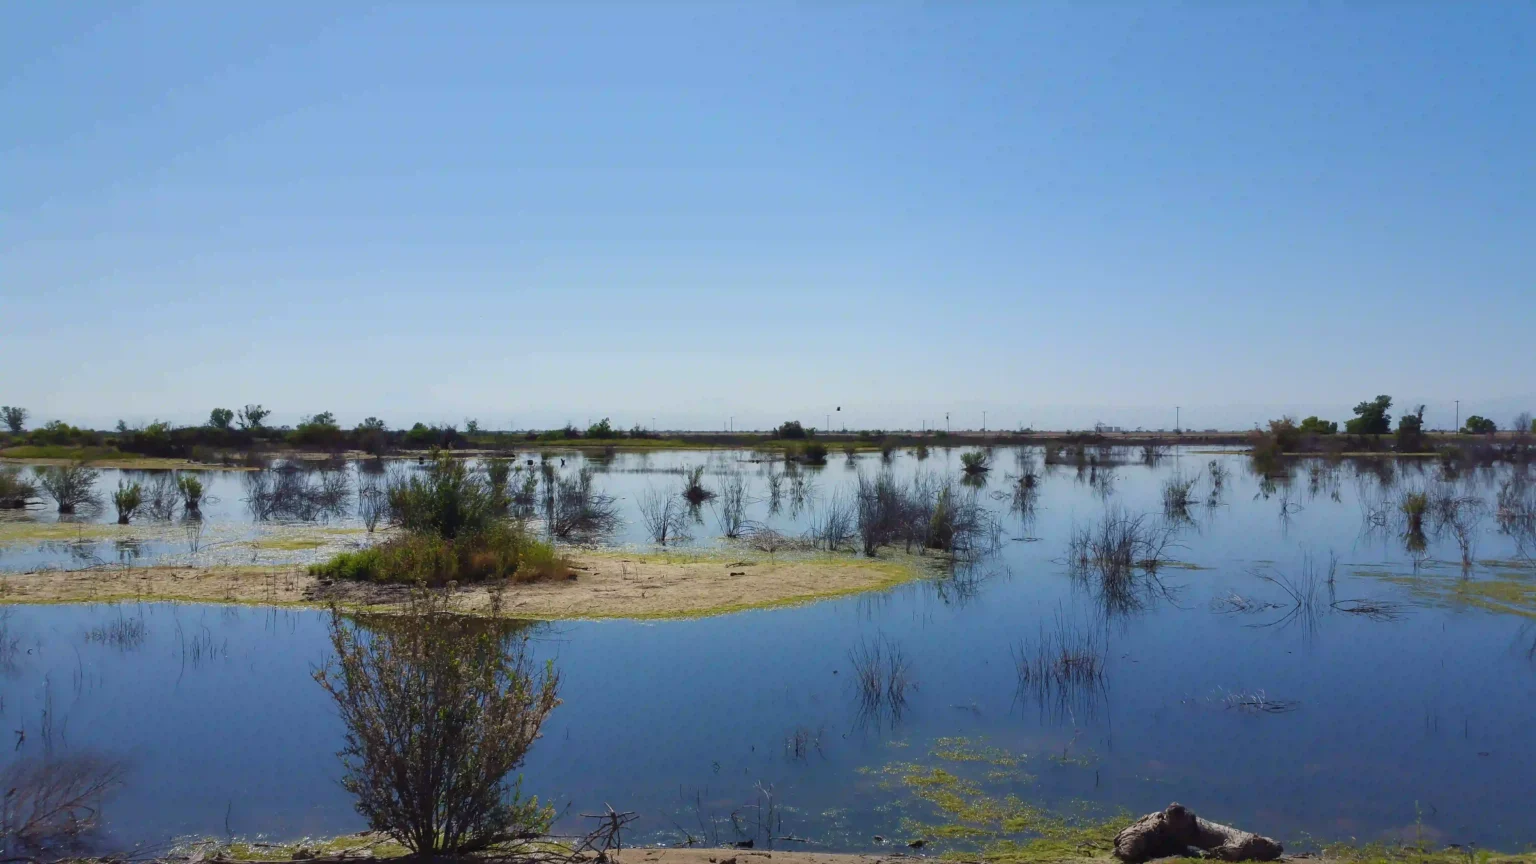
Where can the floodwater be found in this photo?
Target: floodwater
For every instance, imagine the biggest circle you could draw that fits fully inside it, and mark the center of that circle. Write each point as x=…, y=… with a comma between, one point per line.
x=1308, y=721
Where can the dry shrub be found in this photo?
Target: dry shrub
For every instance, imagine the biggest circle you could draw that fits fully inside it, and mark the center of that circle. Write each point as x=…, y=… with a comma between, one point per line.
x=439, y=709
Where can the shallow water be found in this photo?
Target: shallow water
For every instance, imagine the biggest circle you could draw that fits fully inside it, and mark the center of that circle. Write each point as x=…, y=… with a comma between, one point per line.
x=1420, y=722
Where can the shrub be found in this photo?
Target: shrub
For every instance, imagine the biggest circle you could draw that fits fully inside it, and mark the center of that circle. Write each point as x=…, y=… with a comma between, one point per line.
x=128, y=498
x=1477, y=425
x=501, y=552
x=450, y=500
x=693, y=486
x=976, y=462
x=70, y=486
x=1178, y=493
x=192, y=494
x=578, y=512
x=814, y=453
x=221, y=418
x=439, y=709
x=15, y=489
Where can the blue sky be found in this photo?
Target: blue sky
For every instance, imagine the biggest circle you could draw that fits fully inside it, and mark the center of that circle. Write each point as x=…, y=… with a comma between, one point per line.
x=536, y=213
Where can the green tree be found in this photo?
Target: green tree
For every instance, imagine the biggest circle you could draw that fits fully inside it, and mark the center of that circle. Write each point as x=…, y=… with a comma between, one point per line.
x=602, y=429
x=1477, y=425
x=1313, y=426
x=220, y=418
x=15, y=418
x=1371, y=418
x=252, y=417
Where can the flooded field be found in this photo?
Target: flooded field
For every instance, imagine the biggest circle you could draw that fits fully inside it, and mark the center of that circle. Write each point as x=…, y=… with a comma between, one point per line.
x=1311, y=659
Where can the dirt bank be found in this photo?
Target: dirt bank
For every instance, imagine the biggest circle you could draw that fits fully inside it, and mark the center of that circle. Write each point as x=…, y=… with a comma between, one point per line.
x=605, y=585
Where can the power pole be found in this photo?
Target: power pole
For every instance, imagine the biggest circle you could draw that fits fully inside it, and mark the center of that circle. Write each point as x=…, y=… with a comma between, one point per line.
x=1176, y=426
x=946, y=422
x=983, y=421
x=1458, y=416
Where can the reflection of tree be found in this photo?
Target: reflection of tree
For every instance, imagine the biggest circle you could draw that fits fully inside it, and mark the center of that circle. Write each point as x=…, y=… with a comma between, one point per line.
x=439, y=709
x=51, y=804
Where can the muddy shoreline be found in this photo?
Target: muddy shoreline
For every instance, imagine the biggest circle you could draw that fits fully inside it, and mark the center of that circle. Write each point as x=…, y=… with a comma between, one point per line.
x=604, y=584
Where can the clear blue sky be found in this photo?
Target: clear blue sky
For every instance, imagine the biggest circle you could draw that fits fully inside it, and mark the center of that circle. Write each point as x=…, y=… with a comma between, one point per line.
x=531, y=214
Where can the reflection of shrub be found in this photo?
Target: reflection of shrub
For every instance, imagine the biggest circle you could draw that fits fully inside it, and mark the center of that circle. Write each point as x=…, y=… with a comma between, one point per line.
x=814, y=454
x=502, y=552
x=439, y=709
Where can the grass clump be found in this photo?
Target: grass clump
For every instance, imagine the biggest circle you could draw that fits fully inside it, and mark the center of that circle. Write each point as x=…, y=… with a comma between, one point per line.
x=502, y=552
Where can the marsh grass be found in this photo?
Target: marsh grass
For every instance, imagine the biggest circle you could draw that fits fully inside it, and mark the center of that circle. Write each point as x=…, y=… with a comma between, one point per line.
x=1119, y=557
x=731, y=508
x=1063, y=668
x=882, y=675
x=1178, y=493
x=834, y=527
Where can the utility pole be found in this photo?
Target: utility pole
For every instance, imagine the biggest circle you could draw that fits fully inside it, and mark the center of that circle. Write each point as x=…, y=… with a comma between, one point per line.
x=1176, y=426
x=983, y=421
x=1458, y=416
x=946, y=422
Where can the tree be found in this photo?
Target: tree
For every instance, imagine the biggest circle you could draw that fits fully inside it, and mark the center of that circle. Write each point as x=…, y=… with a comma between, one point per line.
x=1371, y=418
x=1313, y=426
x=1410, y=432
x=372, y=436
x=1524, y=423
x=439, y=708
x=252, y=416
x=790, y=430
x=15, y=418
x=471, y=427
x=602, y=429
x=1477, y=425
x=220, y=418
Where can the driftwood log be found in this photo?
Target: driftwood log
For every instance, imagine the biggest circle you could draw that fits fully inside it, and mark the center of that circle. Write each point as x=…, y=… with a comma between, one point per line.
x=1177, y=831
